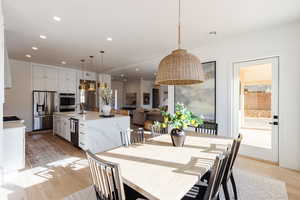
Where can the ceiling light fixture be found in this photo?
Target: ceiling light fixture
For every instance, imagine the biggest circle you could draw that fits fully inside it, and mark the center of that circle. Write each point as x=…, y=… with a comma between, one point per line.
x=63, y=62
x=122, y=75
x=137, y=69
x=109, y=39
x=34, y=48
x=43, y=37
x=56, y=18
x=82, y=83
x=91, y=85
x=180, y=67
x=100, y=85
x=28, y=55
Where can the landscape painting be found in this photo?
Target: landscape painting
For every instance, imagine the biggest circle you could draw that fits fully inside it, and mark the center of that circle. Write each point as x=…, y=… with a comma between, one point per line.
x=200, y=98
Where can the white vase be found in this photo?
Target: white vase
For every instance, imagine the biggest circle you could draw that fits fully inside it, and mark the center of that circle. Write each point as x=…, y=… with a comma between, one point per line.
x=106, y=109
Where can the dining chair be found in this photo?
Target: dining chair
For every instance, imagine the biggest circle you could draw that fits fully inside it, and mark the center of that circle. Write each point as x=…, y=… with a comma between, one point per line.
x=158, y=131
x=107, y=180
x=211, y=190
x=137, y=136
x=207, y=128
x=228, y=175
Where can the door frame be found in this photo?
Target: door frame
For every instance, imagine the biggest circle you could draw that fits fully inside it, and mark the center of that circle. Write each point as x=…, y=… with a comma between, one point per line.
x=262, y=154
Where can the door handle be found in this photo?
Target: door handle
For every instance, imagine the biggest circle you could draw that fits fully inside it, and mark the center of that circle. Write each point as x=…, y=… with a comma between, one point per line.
x=274, y=123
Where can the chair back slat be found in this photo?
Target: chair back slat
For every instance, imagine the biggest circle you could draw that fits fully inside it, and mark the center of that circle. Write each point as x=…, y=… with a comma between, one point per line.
x=106, y=178
x=207, y=128
x=232, y=157
x=158, y=131
x=138, y=136
x=216, y=177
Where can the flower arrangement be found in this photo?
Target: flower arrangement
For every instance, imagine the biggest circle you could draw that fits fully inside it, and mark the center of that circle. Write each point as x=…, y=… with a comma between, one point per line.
x=106, y=95
x=182, y=118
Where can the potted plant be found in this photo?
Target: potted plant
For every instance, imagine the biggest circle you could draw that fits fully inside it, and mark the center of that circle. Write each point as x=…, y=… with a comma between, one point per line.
x=182, y=118
x=106, y=95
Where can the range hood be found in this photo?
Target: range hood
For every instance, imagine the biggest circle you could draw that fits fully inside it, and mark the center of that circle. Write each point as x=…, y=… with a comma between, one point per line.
x=7, y=72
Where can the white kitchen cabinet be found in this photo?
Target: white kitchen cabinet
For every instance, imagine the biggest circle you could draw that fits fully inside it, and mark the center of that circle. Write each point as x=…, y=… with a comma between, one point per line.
x=83, y=135
x=7, y=71
x=61, y=127
x=105, y=79
x=44, y=78
x=92, y=76
x=66, y=129
x=67, y=81
x=13, y=146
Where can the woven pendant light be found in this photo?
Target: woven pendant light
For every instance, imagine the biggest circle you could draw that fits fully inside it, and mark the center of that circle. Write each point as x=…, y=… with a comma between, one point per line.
x=180, y=67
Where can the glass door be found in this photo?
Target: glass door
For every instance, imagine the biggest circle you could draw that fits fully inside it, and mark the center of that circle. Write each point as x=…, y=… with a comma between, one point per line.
x=256, y=107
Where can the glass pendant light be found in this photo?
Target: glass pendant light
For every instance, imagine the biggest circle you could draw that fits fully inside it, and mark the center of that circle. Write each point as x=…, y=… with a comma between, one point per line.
x=180, y=67
x=101, y=64
x=91, y=85
x=82, y=83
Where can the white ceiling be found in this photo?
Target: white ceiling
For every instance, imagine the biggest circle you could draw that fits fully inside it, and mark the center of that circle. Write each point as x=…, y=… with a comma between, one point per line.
x=141, y=29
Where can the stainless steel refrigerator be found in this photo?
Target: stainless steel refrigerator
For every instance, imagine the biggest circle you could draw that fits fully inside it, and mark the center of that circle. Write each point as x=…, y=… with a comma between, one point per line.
x=44, y=104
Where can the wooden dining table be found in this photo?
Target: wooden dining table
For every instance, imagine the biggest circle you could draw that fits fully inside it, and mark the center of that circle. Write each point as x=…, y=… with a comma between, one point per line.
x=158, y=170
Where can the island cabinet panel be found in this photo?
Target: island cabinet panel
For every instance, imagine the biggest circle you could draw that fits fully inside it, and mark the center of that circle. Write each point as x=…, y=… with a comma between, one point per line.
x=105, y=133
x=61, y=126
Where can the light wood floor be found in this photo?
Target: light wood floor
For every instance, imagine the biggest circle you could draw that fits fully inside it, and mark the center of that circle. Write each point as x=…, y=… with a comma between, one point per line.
x=55, y=169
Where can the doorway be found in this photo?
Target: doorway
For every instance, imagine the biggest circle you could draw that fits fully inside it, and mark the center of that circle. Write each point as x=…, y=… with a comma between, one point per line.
x=255, y=110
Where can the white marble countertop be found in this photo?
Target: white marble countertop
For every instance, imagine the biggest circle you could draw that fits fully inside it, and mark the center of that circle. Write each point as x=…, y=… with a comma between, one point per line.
x=10, y=125
x=88, y=116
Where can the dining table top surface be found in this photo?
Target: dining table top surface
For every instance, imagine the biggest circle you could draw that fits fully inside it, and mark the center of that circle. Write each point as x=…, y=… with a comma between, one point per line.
x=158, y=170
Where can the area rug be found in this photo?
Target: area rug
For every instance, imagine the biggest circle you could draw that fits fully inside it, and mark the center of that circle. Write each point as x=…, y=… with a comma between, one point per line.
x=250, y=187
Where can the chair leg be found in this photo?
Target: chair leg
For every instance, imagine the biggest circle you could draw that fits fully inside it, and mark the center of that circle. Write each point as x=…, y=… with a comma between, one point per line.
x=225, y=189
x=233, y=186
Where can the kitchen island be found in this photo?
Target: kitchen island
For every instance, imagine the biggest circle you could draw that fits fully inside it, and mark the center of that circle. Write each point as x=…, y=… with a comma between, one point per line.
x=95, y=133
x=13, y=146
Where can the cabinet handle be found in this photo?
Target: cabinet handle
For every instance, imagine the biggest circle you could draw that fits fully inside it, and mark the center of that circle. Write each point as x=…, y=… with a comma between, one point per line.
x=82, y=124
x=81, y=143
x=82, y=133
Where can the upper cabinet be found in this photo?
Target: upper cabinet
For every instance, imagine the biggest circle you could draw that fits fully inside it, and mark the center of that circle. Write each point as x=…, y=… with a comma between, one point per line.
x=7, y=71
x=1, y=58
x=91, y=76
x=44, y=78
x=67, y=81
x=105, y=79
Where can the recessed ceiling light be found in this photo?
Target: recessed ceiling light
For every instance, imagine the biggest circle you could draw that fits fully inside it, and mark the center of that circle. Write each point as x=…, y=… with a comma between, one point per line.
x=58, y=19
x=137, y=69
x=63, y=62
x=109, y=39
x=122, y=75
x=213, y=32
x=34, y=48
x=28, y=55
x=43, y=37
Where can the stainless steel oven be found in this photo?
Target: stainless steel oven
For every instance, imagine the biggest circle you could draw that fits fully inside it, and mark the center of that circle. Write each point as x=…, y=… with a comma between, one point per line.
x=67, y=102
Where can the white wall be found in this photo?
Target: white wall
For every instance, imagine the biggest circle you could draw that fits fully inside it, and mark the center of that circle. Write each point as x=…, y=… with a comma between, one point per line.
x=283, y=41
x=119, y=86
x=18, y=99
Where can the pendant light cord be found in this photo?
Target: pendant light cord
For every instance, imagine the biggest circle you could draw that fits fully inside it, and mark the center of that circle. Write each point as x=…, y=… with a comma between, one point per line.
x=179, y=23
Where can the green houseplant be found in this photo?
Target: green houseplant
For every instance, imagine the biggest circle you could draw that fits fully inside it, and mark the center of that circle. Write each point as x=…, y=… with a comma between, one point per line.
x=182, y=118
